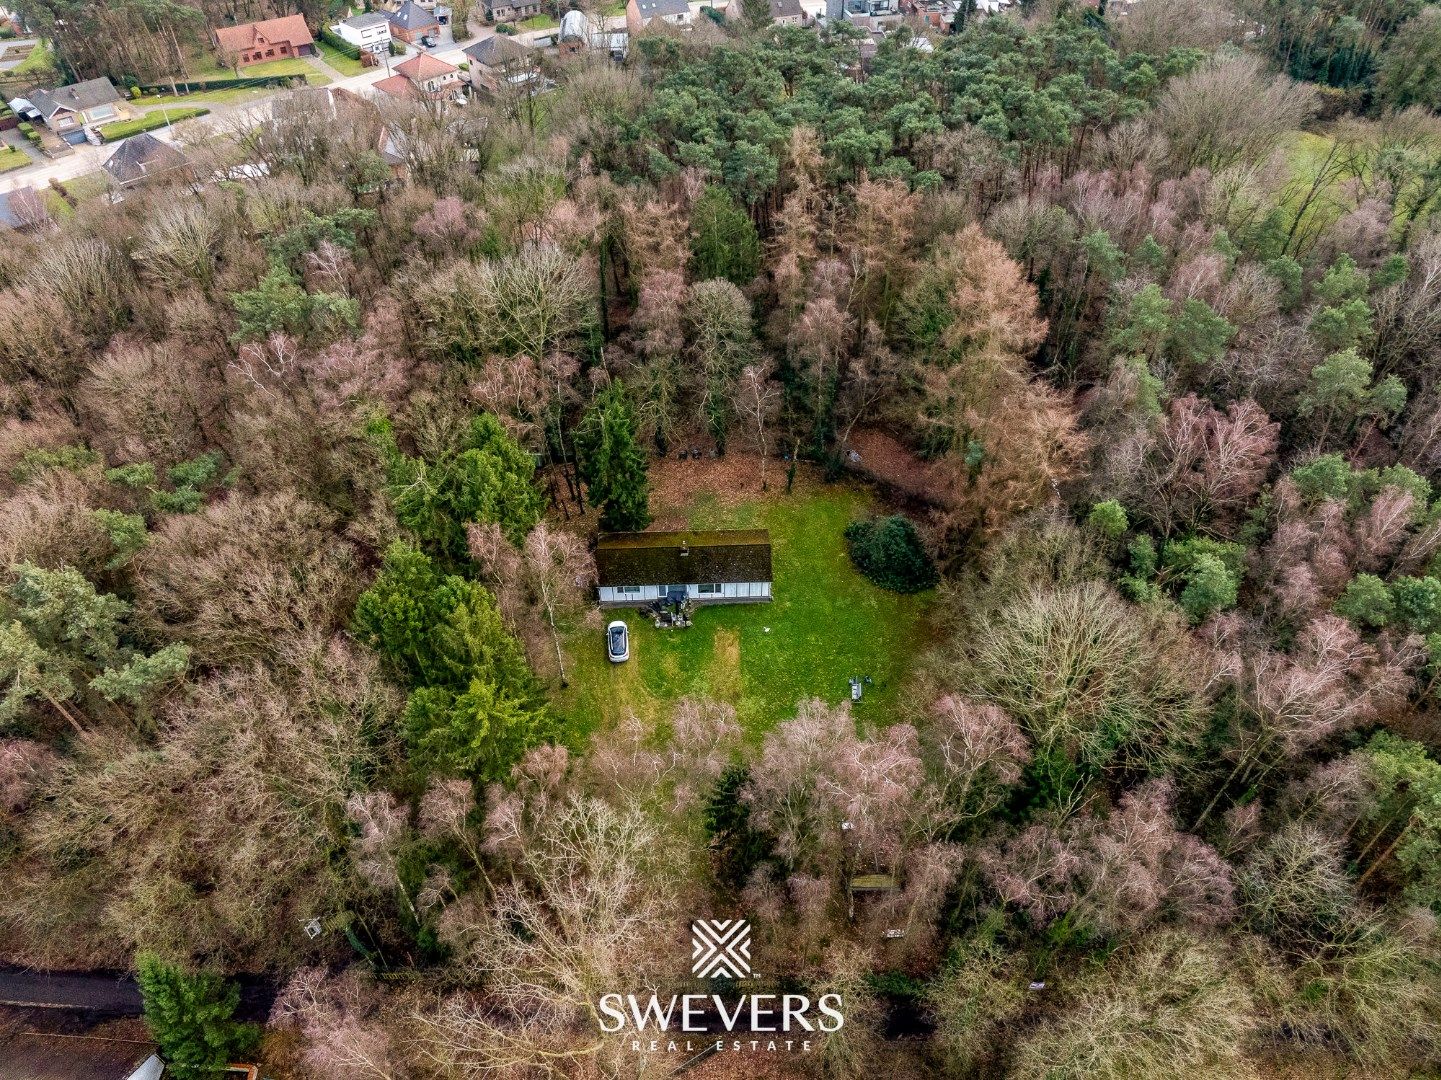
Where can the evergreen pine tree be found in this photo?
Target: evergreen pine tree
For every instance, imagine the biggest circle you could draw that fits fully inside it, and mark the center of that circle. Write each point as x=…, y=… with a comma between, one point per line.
x=612, y=464
x=724, y=241
x=191, y=1017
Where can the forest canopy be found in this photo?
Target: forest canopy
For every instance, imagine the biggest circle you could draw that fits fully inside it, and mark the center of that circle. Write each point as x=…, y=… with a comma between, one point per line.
x=1114, y=333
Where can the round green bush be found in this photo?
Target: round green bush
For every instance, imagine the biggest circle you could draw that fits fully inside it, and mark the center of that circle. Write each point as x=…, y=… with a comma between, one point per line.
x=889, y=551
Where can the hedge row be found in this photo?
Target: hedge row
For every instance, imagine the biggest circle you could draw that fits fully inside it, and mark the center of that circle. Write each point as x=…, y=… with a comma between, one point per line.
x=339, y=44
x=123, y=129
x=218, y=84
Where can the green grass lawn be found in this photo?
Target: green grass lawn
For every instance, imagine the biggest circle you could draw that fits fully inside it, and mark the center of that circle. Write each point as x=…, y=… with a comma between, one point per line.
x=81, y=188
x=825, y=624
x=41, y=58
x=1306, y=154
x=614, y=9
x=291, y=65
x=88, y=186
x=205, y=65
x=208, y=97
x=159, y=118
x=338, y=60
x=537, y=22
x=12, y=158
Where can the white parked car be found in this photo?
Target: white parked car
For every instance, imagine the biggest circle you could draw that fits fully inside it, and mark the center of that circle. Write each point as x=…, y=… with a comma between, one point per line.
x=617, y=642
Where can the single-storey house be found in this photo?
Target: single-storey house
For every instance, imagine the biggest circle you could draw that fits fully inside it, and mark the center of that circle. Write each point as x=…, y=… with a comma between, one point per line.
x=720, y=567
x=71, y=109
x=268, y=39
x=369, y=32
x=787, y=13
x=143, y=157
x=411, y=22
x=641, y=13
x=499, y=63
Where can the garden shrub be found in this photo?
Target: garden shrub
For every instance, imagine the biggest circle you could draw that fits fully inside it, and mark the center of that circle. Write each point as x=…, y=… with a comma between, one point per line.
x=889, y=552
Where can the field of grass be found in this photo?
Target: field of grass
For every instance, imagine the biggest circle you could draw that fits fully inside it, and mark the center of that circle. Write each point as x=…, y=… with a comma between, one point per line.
x=537, y=22
x=1306, y=155
x=123, y=129
x=207, y=97
x=81, y=188
x=204, y=65
x=41, y=59
x=614, y=9
x=338, y=60
x=12, y=158
x=825, y=624
x=292, y=65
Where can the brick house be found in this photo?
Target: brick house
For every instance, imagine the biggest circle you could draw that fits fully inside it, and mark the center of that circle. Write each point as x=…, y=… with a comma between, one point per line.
x=411, y=22
x=269, y=39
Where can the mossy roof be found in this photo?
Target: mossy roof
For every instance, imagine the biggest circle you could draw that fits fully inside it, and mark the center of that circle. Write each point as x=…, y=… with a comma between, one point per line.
x=682, y=558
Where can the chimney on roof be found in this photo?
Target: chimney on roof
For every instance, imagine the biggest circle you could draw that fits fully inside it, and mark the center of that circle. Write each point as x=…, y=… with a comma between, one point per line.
x=684, y=547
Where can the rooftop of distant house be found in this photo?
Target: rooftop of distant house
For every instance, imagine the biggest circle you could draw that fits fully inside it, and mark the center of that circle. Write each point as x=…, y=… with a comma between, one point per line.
x=411, y=16
x=142, y=156
x=651, y=9
x=495, y=51
x=366, y=20
x=423, y=66
x=397, y=86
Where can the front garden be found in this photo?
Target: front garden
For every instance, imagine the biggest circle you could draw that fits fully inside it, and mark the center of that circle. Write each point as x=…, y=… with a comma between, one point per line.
x=123, y=129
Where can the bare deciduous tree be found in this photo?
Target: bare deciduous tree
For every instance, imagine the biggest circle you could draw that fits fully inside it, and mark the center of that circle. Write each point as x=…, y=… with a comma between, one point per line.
x=757, y=400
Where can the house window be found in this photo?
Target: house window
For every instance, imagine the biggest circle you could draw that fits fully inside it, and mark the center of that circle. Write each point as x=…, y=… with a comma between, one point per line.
x=102, y=112
x=627, y=590
x=712, y=589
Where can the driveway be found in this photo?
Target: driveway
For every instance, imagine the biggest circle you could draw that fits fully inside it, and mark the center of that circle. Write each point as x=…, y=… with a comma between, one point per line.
x=15, y=53
x=107, y=992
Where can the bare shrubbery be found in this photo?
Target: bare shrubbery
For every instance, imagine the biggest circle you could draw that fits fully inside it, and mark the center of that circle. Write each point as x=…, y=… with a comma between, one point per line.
x=241, y=577
x=220, y=834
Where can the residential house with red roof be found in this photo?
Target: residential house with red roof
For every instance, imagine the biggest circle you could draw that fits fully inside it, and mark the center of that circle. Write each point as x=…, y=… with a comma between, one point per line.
x=423, y=75
x=269, y=39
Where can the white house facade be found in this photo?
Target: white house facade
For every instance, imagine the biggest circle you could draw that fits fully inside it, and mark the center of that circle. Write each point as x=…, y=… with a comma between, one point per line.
x=718, y=567
x=369, y=32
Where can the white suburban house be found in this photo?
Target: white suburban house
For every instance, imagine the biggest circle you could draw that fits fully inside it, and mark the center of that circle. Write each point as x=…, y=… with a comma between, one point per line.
x=369, y=32
x=721, y=567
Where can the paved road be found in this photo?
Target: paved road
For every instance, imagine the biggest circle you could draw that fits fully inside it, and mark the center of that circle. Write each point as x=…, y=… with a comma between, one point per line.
x=107, y=992
x=102, y=993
